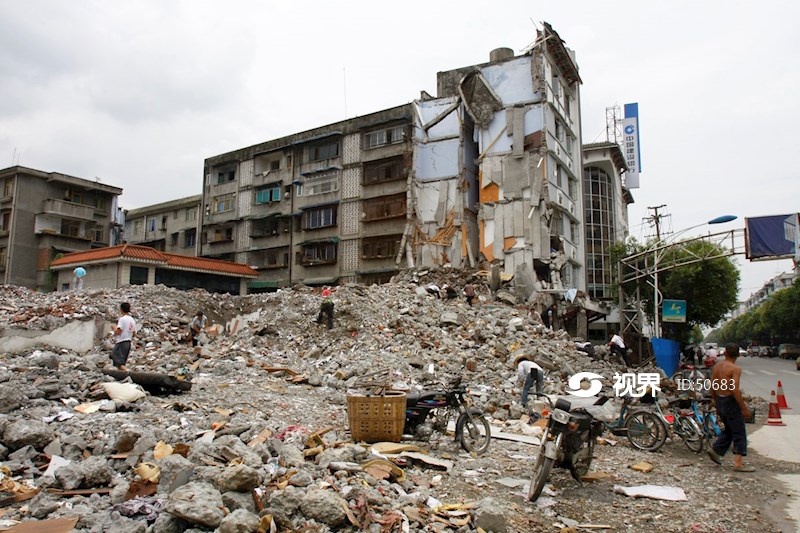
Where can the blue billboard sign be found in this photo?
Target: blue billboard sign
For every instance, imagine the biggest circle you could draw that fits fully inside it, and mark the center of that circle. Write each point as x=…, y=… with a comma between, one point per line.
x=673, y=311
x=772, y=237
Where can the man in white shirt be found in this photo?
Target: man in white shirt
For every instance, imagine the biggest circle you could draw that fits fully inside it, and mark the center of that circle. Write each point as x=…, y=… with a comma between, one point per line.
x=197, y=326
x=123, y=334
x=618, y=348
x=527, y=372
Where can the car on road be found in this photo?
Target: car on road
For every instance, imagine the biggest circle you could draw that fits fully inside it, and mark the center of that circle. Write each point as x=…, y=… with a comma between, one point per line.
x=789, y=351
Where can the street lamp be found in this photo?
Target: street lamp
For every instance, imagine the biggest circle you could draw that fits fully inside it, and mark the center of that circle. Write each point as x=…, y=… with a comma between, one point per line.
x=658, y=247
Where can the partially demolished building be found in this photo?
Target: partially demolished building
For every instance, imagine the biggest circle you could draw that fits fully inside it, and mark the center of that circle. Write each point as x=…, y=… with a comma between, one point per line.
x=486, y=172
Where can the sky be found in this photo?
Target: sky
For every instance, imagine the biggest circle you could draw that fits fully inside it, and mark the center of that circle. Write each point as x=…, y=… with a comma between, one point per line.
x=138, y=94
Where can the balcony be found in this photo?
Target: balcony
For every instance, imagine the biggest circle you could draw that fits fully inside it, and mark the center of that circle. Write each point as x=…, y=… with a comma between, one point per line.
x=68, y=210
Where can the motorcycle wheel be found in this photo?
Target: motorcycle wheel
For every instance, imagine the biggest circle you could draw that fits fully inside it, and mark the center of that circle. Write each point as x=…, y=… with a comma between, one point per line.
x=541, y=472
x=645, y=430
x=691, y=434
x=584, y=459
x=475, y=432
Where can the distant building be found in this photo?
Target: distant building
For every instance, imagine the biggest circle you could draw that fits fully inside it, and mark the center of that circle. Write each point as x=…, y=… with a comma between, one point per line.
x=486, y=172
x=45, y=214
x=167, y=227
x=778, y=283
x=130, y=264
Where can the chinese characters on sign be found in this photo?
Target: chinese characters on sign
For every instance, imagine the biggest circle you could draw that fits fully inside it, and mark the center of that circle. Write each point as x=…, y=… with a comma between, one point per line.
x=630, y=141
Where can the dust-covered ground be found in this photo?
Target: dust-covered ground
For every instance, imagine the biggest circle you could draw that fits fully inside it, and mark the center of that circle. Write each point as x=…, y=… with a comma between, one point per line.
x=234, y=453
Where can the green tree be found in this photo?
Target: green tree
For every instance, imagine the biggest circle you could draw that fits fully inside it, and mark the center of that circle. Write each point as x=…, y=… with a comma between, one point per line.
x=710, y=287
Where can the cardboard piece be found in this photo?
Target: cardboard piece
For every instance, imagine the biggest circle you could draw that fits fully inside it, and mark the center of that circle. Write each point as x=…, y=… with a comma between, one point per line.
x=59, y=525
x=656, y=492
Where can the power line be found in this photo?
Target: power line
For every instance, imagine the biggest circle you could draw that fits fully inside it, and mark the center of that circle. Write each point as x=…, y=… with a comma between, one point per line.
x=655, y=219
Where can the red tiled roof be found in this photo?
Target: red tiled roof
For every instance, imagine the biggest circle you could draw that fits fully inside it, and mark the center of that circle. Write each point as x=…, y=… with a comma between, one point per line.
x=147, y=254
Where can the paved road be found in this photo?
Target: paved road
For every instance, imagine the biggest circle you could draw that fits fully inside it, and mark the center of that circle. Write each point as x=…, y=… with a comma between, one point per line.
x=760, y=375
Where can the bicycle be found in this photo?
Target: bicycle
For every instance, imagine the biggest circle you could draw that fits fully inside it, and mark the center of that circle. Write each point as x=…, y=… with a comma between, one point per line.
x=682, y=423
x=704, y=414
x=645, y=431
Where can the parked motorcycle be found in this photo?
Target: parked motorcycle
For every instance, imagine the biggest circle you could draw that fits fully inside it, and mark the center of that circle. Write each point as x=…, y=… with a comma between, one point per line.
x=429, y=412
x=568, y=442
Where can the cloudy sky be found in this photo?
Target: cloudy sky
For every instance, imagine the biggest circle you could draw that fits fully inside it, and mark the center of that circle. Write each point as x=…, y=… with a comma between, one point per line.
x=138, y=94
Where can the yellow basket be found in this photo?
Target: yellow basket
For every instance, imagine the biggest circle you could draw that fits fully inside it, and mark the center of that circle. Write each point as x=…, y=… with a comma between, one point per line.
x=377, y=418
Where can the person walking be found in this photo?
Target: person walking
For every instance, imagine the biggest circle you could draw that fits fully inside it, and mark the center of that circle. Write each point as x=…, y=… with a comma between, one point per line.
x=731, y=409
x=617, y=346
x=529, y=372
x=123, y=336
x=326, y=308
x=469, y=293
x=197, y=326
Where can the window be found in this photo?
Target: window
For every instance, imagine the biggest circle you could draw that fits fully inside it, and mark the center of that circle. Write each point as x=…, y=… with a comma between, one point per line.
x=573, y=188
x=559, y=176
x=224, y=203
x=384, y=170
x=275, y=165
x=599, y=230
x=173, y=239
x=559, y=131
x=8, y=187
x=75, y=197
x=323, y=151
x=191, y=214
x=279, y=257
x=137, y=227
x=226, y=176
x=382, y=247
x=221, y=235
x=320, y=217
x=98, y=234
x=270, y=193
x=175, y=215
x=318, y=253
x=319, y=184
x=72, y=228
x=151, y=224
x=374, y=139
x=272, y=225
x=557, y=224
x=385, y=207
x=189, y=238
x=575, y=233
x=5, y=221
x=2, y=257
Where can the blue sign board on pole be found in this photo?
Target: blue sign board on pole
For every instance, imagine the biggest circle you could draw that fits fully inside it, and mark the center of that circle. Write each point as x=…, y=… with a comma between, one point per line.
x=673, y=311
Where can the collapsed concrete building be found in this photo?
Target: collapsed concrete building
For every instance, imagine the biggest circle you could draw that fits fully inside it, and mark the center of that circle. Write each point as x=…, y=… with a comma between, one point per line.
x=488, y=172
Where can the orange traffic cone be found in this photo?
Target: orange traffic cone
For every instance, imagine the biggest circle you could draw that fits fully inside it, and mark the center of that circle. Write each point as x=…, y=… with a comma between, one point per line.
x=781, y=397
x=774, y=416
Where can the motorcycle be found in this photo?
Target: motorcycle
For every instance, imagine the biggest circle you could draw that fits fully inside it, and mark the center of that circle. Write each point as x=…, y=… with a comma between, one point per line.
x=567, y=441
x=429, y=412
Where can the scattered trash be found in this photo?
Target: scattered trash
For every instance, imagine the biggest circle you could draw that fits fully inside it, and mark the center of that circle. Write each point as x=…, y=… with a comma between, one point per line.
x=656, y=492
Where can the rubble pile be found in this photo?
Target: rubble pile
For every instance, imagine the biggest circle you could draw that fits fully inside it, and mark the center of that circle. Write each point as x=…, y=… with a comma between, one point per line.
x=259, y=442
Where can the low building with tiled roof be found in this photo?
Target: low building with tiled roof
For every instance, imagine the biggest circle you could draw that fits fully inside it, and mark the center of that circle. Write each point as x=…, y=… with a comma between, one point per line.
x=130, y=264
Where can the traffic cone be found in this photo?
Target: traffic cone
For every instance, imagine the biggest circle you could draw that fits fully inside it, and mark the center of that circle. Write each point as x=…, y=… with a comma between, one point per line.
x=774, y=416
x=781, y=398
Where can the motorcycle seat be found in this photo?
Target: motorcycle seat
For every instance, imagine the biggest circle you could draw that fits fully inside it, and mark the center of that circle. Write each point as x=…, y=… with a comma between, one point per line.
x=412, y=397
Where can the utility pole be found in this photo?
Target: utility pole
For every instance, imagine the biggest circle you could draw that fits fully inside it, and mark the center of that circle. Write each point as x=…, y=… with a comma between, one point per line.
x=655, y=219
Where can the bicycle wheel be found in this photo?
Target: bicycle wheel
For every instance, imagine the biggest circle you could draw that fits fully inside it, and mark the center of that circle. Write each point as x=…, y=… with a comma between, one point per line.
x=645, y=430
x=691, y=434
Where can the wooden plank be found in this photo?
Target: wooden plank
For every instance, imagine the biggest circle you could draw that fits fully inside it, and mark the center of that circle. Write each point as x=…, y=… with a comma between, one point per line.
x=80, y=492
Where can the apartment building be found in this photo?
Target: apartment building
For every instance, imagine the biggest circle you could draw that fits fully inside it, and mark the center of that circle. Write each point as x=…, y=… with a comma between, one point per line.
x=485, y=172
x=168, y=227
x=605, y=216
x=44, y=214
x=316, y=207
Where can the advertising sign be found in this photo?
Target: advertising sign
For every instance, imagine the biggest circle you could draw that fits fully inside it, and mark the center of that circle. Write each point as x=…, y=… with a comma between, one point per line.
x=673, y=311
x=630, y=141
x=772, y=237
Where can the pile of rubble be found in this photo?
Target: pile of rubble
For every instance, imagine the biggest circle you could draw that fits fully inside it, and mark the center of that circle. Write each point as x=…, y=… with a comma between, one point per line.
x=259, y=442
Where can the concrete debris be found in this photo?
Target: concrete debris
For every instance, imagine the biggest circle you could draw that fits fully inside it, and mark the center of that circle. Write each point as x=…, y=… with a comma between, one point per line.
x=249, y=431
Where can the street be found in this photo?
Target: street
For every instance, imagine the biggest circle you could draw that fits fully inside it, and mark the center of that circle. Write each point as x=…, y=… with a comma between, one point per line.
x=760, y=375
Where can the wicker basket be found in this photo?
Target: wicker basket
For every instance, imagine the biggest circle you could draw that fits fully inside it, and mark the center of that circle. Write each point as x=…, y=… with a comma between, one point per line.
x=377, y=418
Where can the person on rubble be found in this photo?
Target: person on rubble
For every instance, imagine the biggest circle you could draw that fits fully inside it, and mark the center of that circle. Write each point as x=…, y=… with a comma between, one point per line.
x=529, y=373
x=536, y=316
x=449, y=292
x=326, y=308
x=197, y=326
x=469, y=293
x=123, y=336
x=618, y=348
x=434, y=290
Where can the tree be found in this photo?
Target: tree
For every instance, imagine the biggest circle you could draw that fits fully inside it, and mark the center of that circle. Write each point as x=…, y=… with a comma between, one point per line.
x=709, y=287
